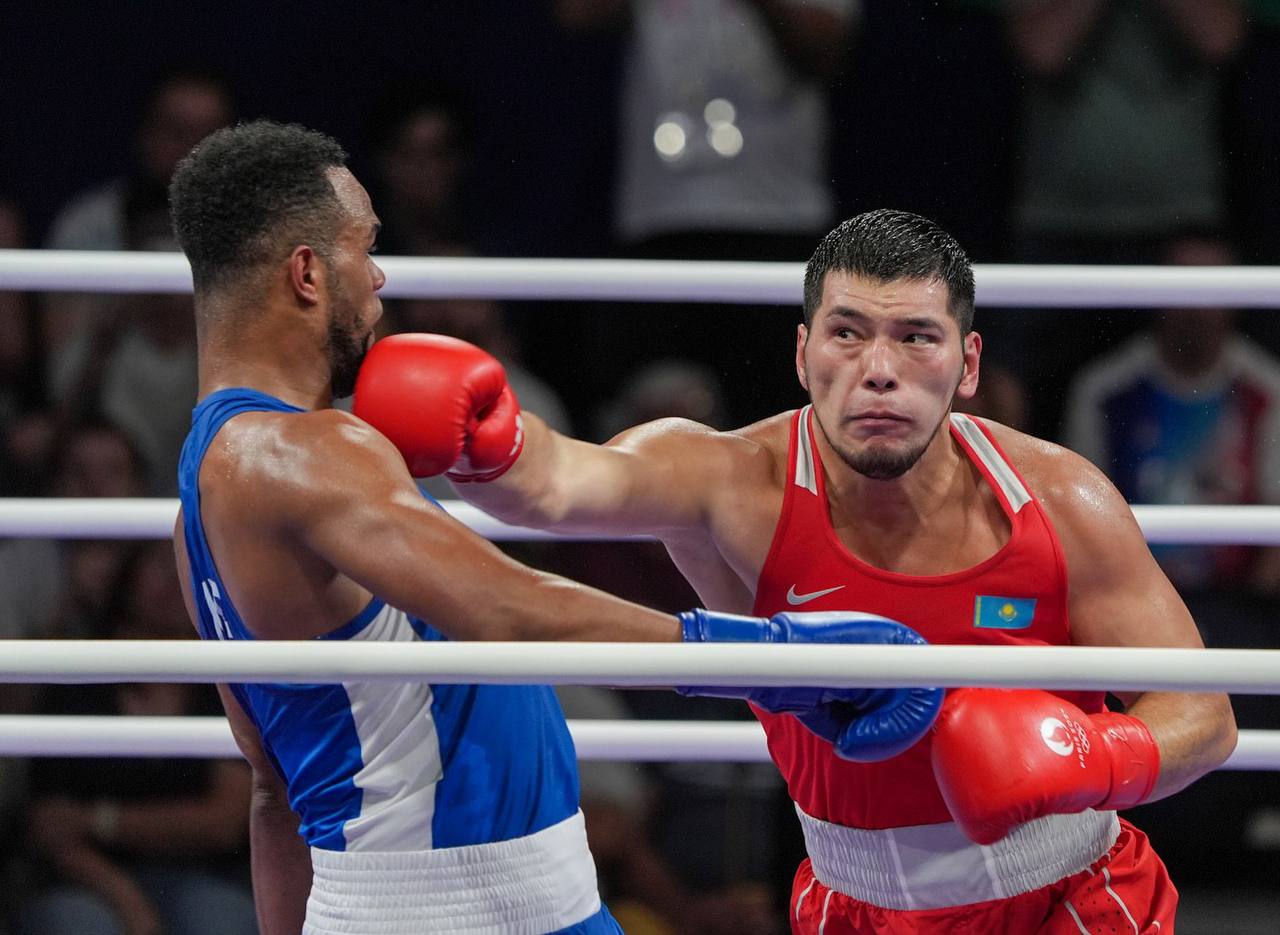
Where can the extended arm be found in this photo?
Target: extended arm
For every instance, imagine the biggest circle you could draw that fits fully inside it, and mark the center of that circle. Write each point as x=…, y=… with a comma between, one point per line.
x=447, y=407
x=358, y=509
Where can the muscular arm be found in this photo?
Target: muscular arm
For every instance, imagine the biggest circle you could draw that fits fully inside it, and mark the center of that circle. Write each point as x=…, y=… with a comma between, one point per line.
x=653, y=479
x=357, y=508
x=1120, y=597
x=280, y=859
x=1047, y=33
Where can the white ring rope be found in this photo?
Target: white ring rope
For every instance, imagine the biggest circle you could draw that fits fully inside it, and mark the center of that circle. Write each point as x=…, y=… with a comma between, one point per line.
x=153, y=518
x=1242, y=671
x=635, y=741
x=1056, y=286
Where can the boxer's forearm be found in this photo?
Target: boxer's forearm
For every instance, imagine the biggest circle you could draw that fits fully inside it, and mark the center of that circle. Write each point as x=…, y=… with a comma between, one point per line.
x=280, y=862
x=526, y=494
x=1195, y=734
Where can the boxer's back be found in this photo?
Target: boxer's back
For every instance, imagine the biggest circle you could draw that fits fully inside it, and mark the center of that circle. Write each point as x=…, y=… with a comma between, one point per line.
x=241, y=486
x=368, y=766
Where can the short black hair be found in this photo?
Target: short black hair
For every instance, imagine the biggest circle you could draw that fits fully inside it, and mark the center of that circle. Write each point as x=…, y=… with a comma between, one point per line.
x=248, y=194
x=886, y=245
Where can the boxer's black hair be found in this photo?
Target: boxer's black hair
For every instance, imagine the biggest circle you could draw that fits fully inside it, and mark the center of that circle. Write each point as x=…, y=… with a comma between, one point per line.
x=885, y=245
x=247, y=195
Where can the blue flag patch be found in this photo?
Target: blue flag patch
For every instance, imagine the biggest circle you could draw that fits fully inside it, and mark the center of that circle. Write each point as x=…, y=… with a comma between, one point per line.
x=1003, y=613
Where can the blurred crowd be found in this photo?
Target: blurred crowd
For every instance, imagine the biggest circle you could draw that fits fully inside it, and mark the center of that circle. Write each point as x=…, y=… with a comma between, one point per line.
x=1037, y=131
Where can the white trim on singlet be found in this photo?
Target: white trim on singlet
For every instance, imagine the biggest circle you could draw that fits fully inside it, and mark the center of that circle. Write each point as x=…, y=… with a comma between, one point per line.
x=400, y=756
x=806, y=470
x=1008, y=481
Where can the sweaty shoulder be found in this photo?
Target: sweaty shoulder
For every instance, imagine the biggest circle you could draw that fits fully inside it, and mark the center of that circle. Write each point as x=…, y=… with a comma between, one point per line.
x=263, y=463
x=1074, y=492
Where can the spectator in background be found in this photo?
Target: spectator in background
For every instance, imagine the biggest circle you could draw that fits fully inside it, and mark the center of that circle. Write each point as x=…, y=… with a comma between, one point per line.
x=724, y=122
x=482, y=323
x=26, y=431
x=21, y=357
x=183, y=107
x=56, y=588
x=1121, y=142
x=135, y=362
x=1122, y=130
x=1188, y=413
x=723, y=156
x=419, y=145
x=139, y=846
x=1001, y=397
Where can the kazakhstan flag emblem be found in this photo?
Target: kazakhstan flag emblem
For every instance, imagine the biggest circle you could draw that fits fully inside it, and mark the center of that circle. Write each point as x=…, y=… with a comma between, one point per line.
x=1003, y=613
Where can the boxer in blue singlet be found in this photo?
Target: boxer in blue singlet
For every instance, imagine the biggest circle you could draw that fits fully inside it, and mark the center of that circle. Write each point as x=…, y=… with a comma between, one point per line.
x=379, y=807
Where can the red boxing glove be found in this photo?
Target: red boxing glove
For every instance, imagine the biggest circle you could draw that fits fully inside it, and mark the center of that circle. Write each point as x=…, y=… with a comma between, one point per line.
x=1002, y=758
x=443, y=403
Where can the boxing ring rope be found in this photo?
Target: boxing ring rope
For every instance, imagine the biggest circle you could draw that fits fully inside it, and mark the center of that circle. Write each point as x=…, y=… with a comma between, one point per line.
x=1246, y=671
x=153, y=518
x=1058, y=286
x=1256, y=671
x=627, y=741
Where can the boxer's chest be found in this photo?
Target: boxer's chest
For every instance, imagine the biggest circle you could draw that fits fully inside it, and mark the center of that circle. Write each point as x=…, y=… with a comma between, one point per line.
x=1010, y=594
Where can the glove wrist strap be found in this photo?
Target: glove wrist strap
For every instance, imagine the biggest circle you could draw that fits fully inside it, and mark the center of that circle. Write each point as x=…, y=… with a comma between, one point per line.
x=1134, y=757
x=483, y=477
x=709, y=626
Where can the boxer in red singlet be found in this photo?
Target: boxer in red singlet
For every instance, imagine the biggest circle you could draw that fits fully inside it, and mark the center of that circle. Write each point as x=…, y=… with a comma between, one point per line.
x=876, y=497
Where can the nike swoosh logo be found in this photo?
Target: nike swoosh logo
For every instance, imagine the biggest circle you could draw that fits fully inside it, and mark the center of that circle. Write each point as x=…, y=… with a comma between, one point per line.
x=794, y=599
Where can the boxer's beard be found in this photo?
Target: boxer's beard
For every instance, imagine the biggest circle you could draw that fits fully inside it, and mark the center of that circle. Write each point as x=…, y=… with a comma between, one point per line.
x=884, y=465
x=344, y=348
x=346, y=353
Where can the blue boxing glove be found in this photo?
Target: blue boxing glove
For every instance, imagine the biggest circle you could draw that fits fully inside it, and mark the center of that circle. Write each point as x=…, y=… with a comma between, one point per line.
x=862, y=724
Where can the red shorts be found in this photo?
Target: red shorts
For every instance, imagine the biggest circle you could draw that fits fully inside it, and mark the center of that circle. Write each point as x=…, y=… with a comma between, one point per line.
x=1127, y=890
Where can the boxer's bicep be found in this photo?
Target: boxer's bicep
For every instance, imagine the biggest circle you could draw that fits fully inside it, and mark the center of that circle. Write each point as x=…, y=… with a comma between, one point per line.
x=1117, y=594
x=363, y=515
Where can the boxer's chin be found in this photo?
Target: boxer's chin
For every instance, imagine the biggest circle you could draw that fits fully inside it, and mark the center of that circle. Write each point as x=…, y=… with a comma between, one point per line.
x=883, y=462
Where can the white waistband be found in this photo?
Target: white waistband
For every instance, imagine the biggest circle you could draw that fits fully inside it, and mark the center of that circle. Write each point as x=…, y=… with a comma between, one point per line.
x=526, y=886
x=936, y=866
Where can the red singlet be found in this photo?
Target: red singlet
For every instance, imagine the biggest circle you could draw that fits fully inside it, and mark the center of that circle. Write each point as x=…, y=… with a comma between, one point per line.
x=1018, y=596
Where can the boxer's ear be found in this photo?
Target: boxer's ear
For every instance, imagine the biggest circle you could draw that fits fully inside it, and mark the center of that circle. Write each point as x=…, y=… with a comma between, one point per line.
x=306, y=274
x=969, y=376
x=802, y=336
